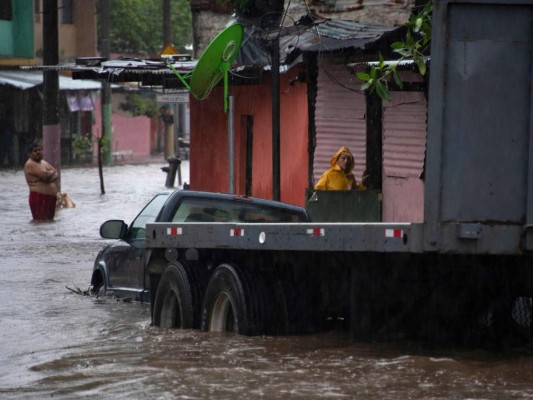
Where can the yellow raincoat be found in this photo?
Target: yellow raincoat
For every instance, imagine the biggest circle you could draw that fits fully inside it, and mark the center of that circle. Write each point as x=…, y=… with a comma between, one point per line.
x=337, y=179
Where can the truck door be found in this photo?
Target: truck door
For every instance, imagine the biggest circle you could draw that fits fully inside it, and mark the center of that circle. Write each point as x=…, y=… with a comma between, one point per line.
x=126, y=264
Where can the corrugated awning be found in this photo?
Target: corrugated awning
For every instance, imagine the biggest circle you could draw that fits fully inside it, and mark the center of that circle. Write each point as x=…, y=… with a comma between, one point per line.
x=319, y=36
x=253, y=58
x=331, y=35
x=24, y=80
x=148, y=72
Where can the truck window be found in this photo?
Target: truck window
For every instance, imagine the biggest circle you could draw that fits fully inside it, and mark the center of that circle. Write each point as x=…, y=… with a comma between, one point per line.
x=212, y=210
x=147, y=215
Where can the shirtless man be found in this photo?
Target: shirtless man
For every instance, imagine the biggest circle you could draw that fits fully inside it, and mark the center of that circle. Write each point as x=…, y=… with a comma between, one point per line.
x=42, y=180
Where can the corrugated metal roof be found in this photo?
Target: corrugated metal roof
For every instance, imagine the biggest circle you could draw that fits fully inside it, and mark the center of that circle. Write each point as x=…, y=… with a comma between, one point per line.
x=29, y=79
x=317, y=36
x=327, y=35
x=122, y=69
x=133, y=64
x=342, y=29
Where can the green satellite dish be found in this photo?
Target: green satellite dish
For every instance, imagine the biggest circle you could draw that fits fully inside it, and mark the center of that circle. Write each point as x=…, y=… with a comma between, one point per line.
x=214, y=63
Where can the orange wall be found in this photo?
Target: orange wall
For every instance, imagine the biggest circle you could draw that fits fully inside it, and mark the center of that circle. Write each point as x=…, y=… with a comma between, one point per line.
x=209, y=144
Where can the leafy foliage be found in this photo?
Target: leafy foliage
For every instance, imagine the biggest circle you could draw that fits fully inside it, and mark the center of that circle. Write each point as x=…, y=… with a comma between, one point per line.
x=137, y=26
x=416, y=43
x=83, y=145
x=140, y=105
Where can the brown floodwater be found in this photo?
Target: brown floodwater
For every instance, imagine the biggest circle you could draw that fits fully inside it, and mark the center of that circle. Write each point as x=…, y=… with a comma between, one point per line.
x=55, y=343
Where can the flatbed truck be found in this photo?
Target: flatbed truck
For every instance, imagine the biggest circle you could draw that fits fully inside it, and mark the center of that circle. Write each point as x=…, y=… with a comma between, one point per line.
x=463, y=274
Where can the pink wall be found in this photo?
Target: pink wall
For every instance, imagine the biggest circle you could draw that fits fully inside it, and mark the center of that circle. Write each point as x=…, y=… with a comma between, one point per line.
x=129, y=133
x=209, y=146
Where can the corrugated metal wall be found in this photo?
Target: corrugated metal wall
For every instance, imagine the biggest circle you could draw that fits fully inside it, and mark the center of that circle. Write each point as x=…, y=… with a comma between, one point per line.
x=340, y=121
x=404, y=144
x=340, y=117
x=404, y=134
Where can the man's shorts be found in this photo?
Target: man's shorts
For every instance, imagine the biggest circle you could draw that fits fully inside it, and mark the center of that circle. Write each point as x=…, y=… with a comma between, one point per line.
x=42, y=206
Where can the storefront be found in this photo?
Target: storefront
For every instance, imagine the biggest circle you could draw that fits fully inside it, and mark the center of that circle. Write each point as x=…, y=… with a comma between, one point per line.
x=21, y=105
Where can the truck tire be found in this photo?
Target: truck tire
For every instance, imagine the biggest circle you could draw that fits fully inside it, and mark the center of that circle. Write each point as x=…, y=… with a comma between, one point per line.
x=178, y=298
x=98, y=283
x=235, y=301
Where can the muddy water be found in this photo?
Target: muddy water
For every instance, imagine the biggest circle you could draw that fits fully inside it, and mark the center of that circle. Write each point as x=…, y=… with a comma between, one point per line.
x=56, y=343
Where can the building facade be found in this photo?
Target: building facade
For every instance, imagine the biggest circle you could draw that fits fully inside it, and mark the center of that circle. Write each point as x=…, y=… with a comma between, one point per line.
x=21, y=92
x=21, y=104
x=322, y=108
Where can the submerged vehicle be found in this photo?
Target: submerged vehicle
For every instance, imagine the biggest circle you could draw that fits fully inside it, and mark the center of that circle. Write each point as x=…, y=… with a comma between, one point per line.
x=120, y=268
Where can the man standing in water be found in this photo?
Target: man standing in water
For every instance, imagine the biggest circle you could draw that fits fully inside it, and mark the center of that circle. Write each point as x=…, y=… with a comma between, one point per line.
x=42, y=180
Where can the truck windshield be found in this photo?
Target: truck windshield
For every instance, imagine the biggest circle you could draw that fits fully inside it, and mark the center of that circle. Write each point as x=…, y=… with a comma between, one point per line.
x=147, y=215
x=209, y=210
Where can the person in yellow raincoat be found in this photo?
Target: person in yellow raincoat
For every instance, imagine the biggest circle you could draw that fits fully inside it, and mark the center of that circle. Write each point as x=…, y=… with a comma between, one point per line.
x=339, y=176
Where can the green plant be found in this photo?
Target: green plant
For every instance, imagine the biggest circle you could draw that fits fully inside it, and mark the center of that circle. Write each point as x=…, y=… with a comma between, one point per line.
x=416, y=43
x=83, y=145
x=136, y=26
x=140, y=105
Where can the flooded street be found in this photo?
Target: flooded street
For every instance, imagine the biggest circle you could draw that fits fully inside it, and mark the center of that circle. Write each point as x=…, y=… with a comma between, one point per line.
x=60, y=344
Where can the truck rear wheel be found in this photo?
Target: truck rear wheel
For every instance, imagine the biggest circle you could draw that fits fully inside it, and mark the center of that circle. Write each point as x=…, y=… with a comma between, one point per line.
x=235, y=301
x=178, y=298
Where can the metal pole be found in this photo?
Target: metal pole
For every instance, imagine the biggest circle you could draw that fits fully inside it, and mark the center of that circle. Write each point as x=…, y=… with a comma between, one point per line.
x=231, y=155
x=105, y=99
x=168, y=118
x=176, y=129
x=275, y=121
x=177, y=124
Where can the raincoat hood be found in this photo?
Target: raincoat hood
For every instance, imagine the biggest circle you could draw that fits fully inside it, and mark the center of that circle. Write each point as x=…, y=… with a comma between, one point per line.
x=334, y=159
x=336, y=178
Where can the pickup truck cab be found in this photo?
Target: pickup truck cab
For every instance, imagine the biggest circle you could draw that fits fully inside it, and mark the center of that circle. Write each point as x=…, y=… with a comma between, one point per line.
x=120, y=268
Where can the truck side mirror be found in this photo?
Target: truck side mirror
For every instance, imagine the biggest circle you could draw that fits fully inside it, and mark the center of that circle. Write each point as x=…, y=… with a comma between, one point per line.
x=113, y=229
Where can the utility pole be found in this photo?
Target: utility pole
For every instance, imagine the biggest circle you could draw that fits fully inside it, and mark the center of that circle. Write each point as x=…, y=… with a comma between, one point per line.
x=170, y=118
x=51, y=129
x=105, y=50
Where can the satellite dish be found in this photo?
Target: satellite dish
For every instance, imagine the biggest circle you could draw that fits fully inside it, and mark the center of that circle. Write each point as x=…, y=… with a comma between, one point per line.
x=215, y=62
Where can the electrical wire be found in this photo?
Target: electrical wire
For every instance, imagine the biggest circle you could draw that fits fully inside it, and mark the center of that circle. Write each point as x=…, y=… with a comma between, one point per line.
x=320, y=58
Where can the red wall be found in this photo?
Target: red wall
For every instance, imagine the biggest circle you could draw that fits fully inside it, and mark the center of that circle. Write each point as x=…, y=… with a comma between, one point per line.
x=209, y=144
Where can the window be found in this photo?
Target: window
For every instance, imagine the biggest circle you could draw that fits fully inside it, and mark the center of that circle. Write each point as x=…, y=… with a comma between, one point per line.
x=67, y=12
x=209, y=210
x=6, y=10
x=147, y=215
